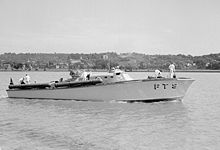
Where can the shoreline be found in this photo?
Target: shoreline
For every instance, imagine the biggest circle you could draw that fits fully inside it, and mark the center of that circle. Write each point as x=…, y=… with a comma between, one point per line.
x=205, y=71
x=104, y=70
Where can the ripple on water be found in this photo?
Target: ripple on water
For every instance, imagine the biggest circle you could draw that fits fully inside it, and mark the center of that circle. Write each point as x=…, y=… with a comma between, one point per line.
x=56, y=125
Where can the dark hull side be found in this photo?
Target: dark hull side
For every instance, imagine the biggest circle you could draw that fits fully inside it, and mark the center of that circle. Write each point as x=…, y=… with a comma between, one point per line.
x=54, y=85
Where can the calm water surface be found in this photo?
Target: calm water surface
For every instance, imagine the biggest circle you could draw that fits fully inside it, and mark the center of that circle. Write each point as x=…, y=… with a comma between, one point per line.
x=193, y=123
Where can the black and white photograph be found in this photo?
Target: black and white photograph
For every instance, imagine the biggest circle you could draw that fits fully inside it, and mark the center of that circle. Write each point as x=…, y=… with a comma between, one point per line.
x=109, y=74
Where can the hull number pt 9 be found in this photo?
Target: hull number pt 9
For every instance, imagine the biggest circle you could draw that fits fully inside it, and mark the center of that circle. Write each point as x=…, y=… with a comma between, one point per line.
x=165, y=86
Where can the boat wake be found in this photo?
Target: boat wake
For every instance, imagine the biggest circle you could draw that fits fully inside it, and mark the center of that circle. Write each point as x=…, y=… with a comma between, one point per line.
x=3, y=96
x=148, y=101
x=121, y=102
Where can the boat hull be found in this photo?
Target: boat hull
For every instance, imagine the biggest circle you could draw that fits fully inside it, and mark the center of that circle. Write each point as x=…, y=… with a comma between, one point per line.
x=135, y=90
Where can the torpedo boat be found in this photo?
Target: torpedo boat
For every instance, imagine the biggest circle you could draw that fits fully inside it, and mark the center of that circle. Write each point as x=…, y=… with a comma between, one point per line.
x=111, y=86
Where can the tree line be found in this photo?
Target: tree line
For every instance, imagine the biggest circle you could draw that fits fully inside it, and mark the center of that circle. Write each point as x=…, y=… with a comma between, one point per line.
x=128, y=61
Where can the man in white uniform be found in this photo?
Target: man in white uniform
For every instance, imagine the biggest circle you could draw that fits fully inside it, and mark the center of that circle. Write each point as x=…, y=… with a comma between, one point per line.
x=158, y=73
x=27, y=79
x=172, y=70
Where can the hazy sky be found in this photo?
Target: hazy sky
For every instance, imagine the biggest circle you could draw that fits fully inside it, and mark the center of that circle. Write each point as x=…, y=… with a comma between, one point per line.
x=87, y=26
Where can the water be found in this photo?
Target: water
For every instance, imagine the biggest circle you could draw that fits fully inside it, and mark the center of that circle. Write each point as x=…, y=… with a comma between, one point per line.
x=193, y=123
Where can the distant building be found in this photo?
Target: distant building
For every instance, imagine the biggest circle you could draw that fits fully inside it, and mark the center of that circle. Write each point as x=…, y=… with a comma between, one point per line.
x=62, y=66
x=73, y=61
x=207, y=64
x=7, y=66
x=23, y=67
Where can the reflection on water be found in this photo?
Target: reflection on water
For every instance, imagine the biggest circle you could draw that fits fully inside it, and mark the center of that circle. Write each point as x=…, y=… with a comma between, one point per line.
x=55, y=124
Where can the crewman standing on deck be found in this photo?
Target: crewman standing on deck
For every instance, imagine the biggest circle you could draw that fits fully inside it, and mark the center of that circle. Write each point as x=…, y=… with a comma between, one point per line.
x=27, y=79
x=172, y=70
